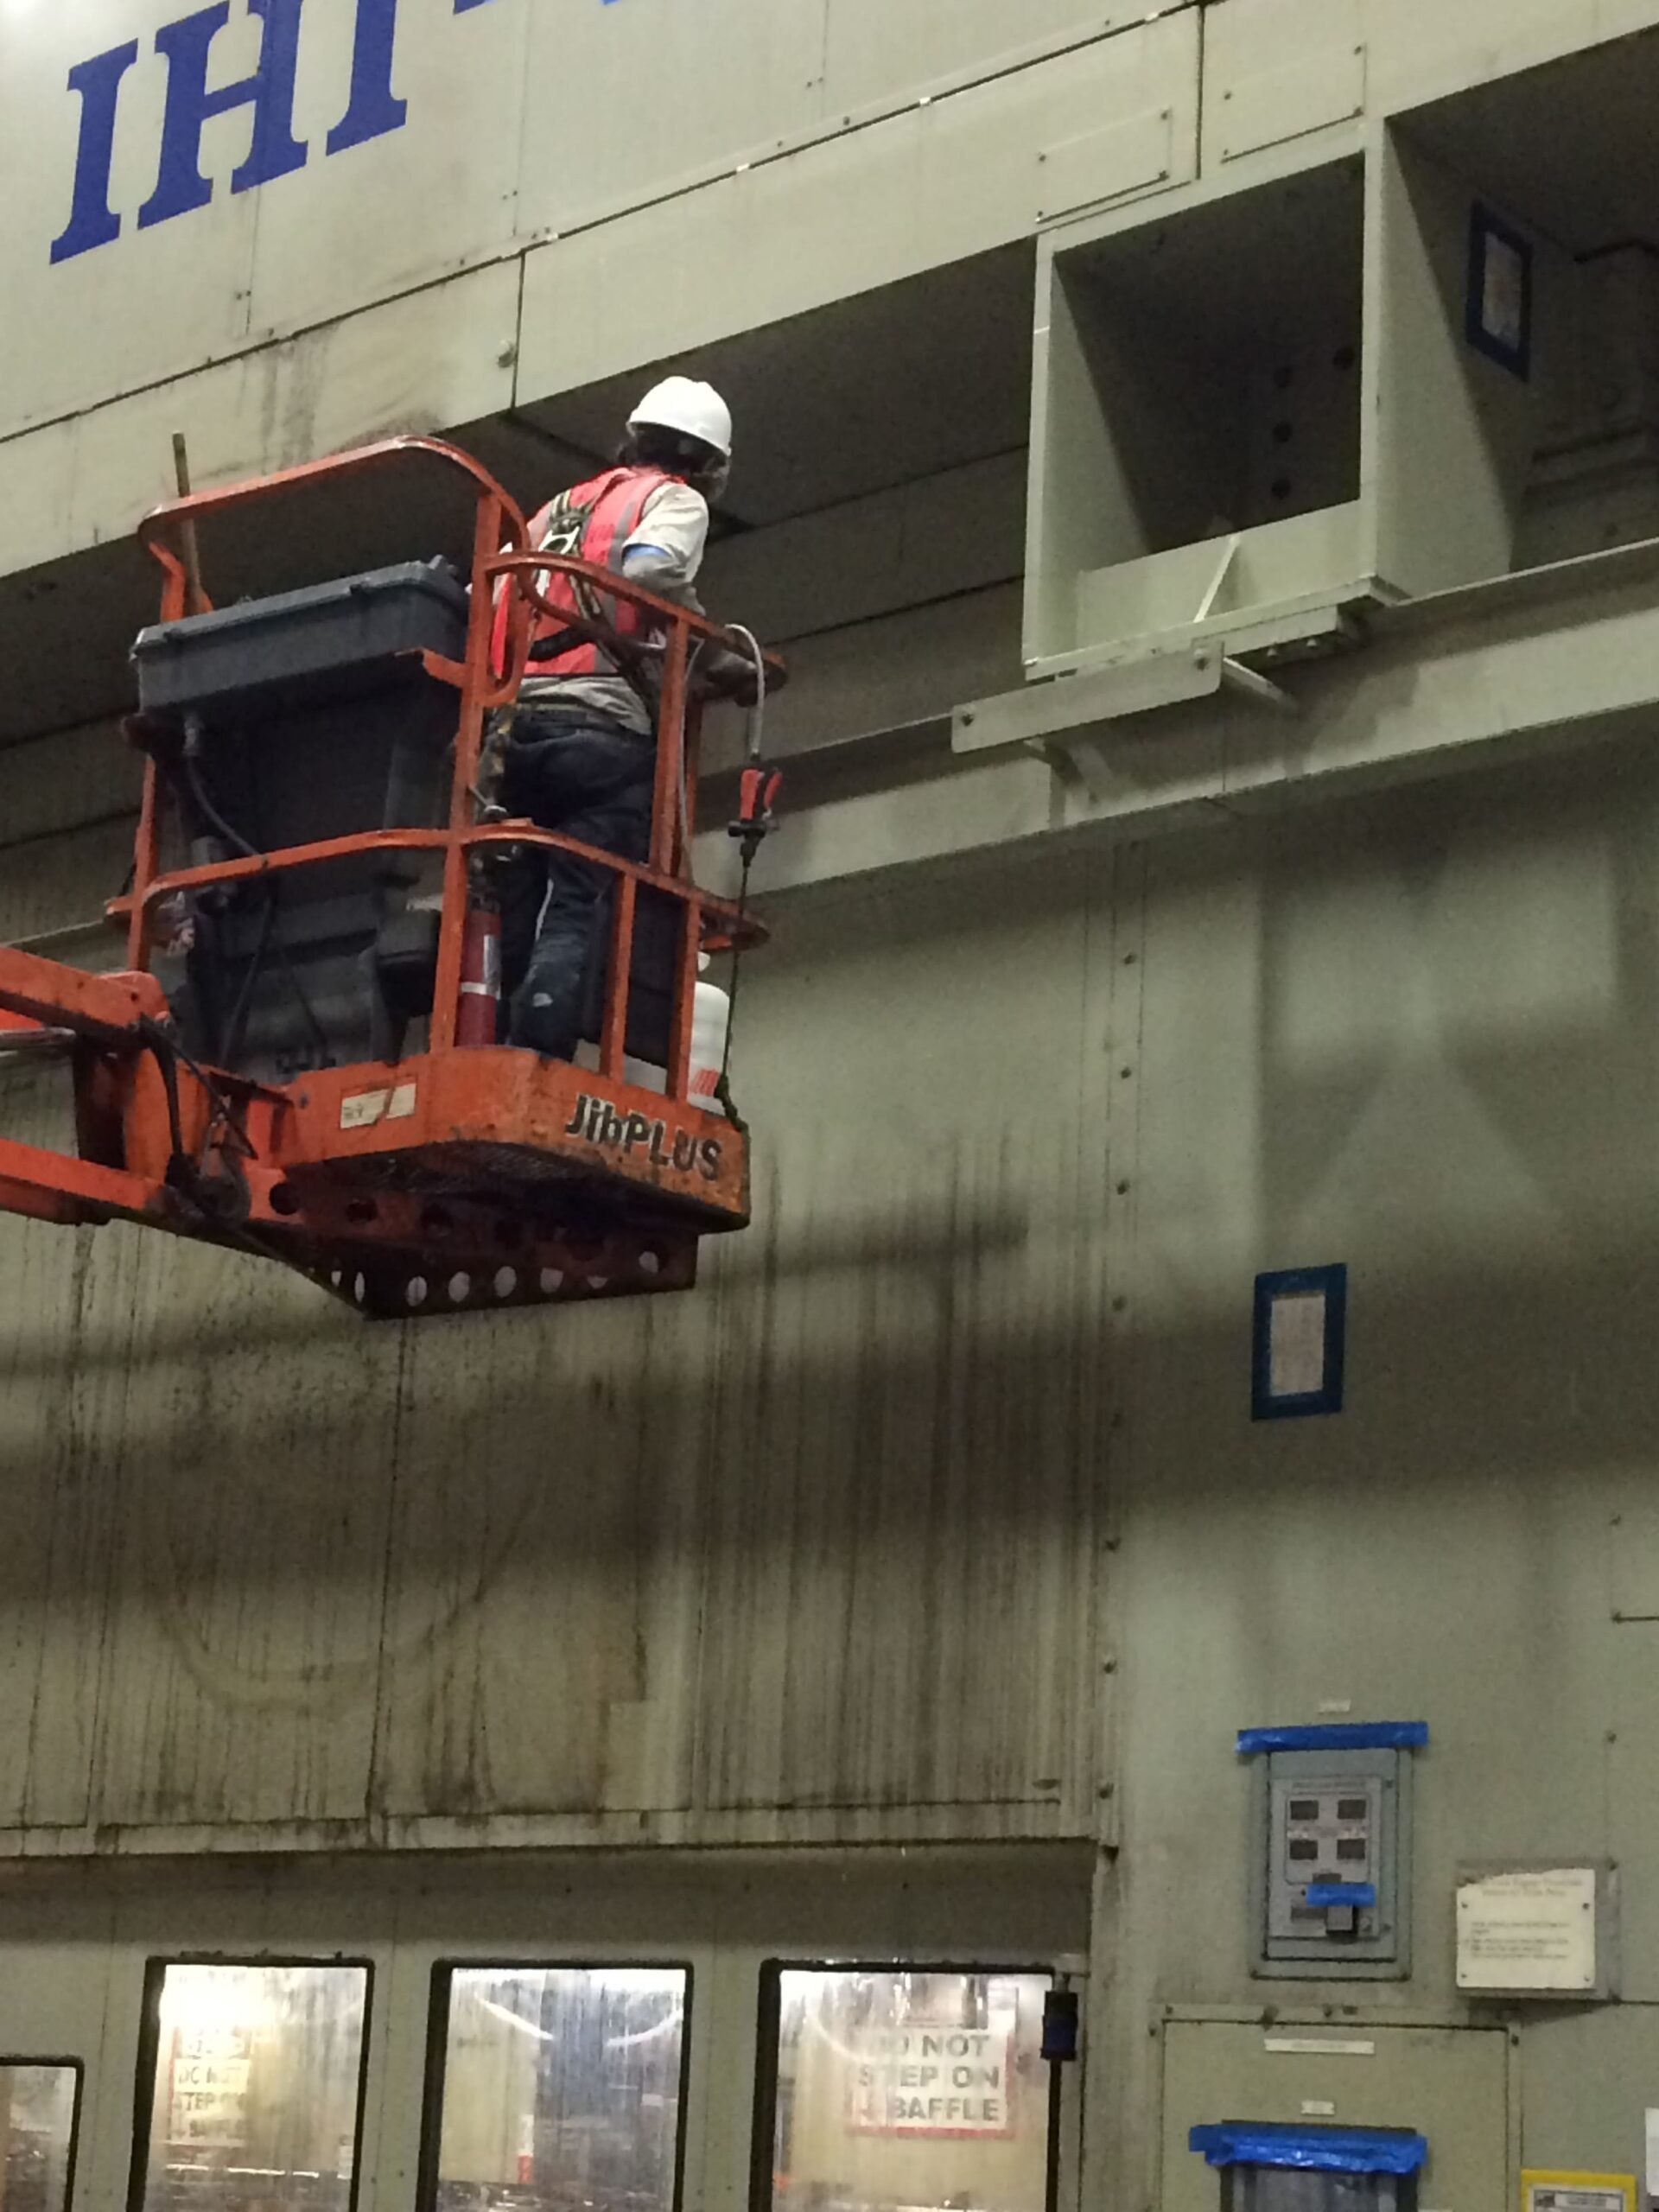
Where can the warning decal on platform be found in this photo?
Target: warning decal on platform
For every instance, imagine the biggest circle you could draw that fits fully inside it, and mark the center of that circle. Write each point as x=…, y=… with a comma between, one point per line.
x=364, y=1110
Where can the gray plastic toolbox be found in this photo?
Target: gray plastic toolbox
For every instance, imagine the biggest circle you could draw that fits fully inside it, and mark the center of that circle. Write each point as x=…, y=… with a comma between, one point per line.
x=266, y=652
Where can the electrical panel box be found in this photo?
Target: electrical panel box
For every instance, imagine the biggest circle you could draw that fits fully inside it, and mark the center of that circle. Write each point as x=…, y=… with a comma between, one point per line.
x=1332, y=1845
x=1301, y=2074
x=1292, y=2188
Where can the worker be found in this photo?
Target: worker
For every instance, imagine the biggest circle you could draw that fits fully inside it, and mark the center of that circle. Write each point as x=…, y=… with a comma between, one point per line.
x=580, y=753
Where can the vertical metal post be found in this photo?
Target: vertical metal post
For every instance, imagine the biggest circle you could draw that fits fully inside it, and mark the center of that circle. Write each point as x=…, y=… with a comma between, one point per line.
x=685, y=1001
x=692, y=757
x=619, y=980
x=671, y=749
x=1055, y=2139
x=145, y=859
x=666, y=848
x=196, y=597
x=469, y=741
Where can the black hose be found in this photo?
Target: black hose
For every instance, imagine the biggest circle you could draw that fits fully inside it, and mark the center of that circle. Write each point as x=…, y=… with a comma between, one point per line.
x=723, y=1088
x=195, y=731
x=230, y=1043
x=1052, y=2163
x=757, y=720
x=319, y=1033
x=166, y=1054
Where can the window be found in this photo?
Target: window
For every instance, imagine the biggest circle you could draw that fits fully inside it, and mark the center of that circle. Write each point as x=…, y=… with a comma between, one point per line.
x=912, y=2087
x=257, y=2087
x=40, y=2101
x=560, y=2087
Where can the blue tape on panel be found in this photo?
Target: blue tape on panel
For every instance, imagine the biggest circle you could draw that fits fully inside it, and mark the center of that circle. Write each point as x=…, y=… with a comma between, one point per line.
x=1336, y=1736
x=1329, y=2149
x=1322, y=1894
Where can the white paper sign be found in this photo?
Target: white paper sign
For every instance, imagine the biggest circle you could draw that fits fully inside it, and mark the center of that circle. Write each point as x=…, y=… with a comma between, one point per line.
x=928, y=2080
x=1296, y=1344
x=210, y=2087
x=1530, y=1929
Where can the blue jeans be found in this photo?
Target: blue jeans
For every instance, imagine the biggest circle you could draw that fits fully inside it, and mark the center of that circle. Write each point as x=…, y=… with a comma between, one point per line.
x=591, y=779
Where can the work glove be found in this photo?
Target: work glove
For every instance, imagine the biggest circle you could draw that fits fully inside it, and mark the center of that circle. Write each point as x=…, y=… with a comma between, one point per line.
x=730, y=675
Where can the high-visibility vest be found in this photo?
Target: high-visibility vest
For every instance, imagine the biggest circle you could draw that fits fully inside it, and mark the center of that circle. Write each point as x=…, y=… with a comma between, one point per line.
x=591, y=522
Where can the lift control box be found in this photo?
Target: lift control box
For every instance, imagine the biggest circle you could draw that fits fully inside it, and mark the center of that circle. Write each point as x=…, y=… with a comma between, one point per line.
x=1330, y=1851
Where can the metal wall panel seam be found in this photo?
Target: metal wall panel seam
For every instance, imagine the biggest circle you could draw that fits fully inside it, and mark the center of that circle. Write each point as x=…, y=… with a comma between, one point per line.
x=407, y=1835
x=1100, y=2132
x=374, y=1812
x=1095, y=1781
x=519, y=338
x=1010, y=64
x=267, y=343
x=1122, y=1072
x=699, y=179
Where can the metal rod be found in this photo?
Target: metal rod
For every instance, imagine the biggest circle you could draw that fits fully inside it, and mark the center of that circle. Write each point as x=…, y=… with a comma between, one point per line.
x=685, y=1001
x=416, y=840
x=469, y=738
x=687, y=819
x=172, y=512
x=619, y=983
x=146, y=854
x=671, y=749
x=489, y=521
x=1051, y=2160
x=195, y=597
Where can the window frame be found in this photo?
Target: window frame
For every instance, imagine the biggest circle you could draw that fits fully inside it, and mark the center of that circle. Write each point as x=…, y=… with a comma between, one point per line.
x=427, y=2177
x=149, y=2040
x=62, y=2064
x=768, y=2036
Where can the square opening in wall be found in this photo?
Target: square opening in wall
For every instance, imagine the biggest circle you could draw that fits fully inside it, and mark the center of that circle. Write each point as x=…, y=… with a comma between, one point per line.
x=1201, y=385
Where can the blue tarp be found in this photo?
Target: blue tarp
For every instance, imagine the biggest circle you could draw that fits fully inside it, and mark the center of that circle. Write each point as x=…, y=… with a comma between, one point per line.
x=1336, y=1736
x=1330, y=2150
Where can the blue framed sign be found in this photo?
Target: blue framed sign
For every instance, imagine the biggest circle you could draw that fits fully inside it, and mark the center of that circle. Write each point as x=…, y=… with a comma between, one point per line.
x=1296, y=1364
x=1499, y=315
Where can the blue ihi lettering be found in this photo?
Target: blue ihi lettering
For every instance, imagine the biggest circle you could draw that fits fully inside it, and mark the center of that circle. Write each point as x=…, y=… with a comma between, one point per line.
x=372, y=109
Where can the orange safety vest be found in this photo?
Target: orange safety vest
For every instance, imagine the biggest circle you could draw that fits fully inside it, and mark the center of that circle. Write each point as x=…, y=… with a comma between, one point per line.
x=591, y=522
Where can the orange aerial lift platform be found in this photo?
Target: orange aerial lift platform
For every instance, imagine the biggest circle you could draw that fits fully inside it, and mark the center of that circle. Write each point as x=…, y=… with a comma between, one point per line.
x=300, y=1057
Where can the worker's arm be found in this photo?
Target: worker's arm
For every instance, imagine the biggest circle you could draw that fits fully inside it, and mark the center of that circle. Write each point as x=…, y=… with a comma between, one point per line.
x=666, y=550
x=664, y=555
x=662, y=571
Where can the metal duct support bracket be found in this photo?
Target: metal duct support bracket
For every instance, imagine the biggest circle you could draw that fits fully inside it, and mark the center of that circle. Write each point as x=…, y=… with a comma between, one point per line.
x=1064, y=719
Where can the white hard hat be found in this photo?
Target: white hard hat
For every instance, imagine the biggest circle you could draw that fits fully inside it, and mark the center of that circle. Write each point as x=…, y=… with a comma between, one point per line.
x=694, y=409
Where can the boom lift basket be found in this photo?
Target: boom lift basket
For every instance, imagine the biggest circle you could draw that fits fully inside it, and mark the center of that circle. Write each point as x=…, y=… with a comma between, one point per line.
x=299, y=1059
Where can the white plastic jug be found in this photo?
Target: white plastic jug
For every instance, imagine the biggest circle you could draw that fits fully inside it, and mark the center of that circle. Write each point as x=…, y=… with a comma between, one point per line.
x=711, y=1018
x=711, y=1023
